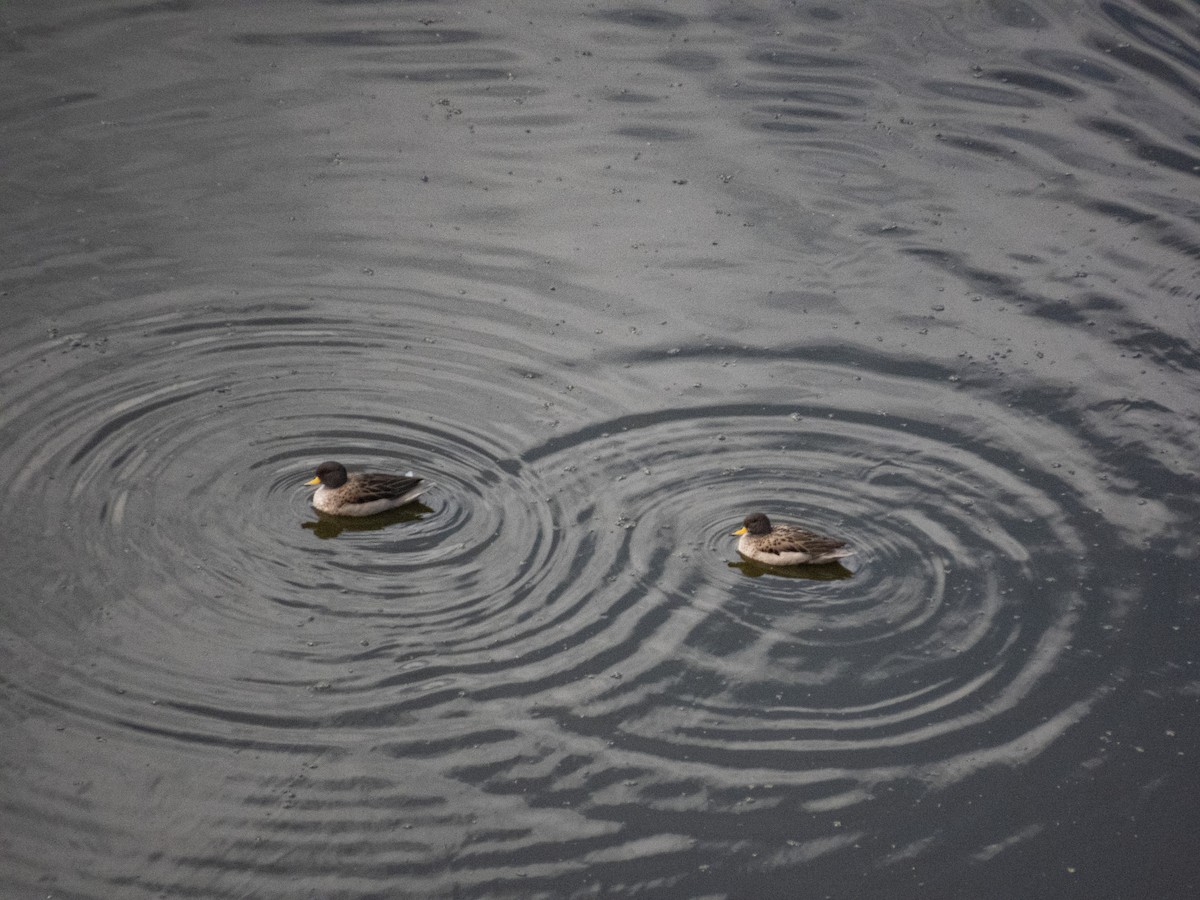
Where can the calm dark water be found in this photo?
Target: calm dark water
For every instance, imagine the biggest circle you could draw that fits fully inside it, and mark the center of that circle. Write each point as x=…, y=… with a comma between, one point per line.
x=613, y=275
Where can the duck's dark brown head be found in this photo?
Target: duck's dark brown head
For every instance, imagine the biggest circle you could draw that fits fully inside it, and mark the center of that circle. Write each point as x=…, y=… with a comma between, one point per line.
x=755, y=523
x=331, y=475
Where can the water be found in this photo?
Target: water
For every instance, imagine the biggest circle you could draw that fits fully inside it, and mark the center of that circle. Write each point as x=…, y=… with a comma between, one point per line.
x=612, y=276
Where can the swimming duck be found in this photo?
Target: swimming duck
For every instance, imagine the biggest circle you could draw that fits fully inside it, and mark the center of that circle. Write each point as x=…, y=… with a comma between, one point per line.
x=786, y=545
x=363, y=493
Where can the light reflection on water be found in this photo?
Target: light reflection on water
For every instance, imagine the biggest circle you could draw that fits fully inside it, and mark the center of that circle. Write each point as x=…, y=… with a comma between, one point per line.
x=611, y=280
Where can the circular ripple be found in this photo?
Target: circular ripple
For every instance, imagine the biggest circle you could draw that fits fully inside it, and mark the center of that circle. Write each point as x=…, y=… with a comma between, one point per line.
x=180, y=445
x=592, y=573
x=961, y=602
x=564, y=602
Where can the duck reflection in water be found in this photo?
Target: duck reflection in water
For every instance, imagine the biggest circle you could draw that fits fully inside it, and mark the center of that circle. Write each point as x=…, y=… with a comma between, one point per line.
x=328, y=526
x=825, y=572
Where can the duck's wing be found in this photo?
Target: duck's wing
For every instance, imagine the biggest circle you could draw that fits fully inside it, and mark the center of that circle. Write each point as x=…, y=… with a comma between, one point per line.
x=371, y=486
x=790, y=539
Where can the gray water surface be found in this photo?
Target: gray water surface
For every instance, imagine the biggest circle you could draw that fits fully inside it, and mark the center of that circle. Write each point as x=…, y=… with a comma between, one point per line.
x=922, y=276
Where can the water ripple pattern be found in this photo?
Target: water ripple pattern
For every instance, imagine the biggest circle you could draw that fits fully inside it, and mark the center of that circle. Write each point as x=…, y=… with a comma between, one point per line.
x=569, y=605
x=963, y=598
x=187, y=499
x=610, y=277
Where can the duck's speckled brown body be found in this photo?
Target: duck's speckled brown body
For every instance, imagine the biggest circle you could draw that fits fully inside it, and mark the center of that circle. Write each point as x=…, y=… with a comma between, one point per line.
x=786, y=545
x=363, y=493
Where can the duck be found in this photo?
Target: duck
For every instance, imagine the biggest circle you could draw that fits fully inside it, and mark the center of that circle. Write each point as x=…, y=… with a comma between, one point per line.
x=786, y=545
x=363, y=493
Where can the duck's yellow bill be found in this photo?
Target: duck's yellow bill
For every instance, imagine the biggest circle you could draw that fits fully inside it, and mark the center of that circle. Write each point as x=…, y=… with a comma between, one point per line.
x=316, y=480
x=741, y=530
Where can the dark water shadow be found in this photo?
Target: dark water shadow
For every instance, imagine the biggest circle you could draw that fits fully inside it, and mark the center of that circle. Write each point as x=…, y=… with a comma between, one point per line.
x=826, y=572
x=327, y=526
